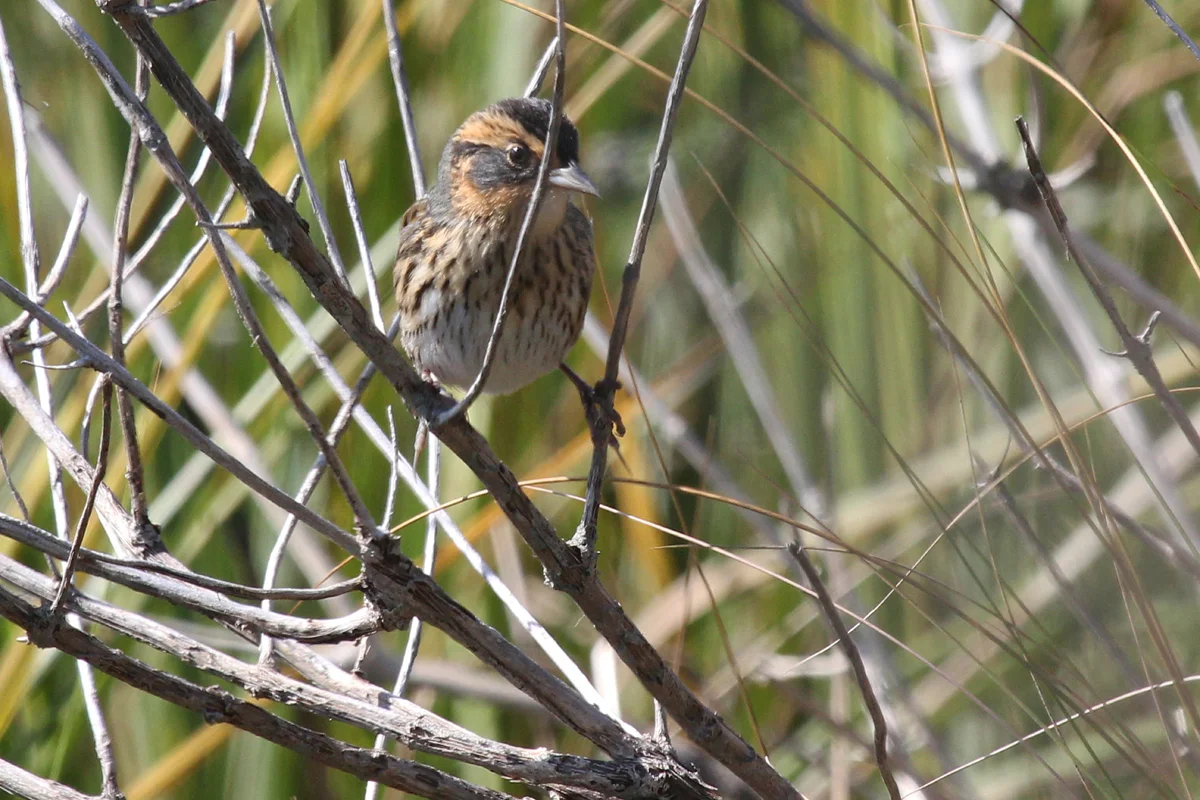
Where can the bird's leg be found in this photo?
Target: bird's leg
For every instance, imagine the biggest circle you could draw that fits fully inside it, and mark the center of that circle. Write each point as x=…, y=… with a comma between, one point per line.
x=422, y=425
x=598, y=405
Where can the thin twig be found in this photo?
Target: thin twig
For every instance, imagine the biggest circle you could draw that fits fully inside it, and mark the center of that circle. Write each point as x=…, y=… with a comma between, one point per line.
x=97, y=478
x=1173, y=26
x=12, y=487
x=543, y=66
x=830, y=611
x=1137, y=349
x=289, y=119
x=389, y=505
x=221, y=108
x=134, y=472
x=585, y=534
x=403, y=97
x=15, y=328
x=364, y=249
x=190, y=257
x=31, y=258
x=539, y=189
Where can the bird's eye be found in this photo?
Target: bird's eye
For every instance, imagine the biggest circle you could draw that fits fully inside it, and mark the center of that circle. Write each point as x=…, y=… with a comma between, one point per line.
x=518, y=155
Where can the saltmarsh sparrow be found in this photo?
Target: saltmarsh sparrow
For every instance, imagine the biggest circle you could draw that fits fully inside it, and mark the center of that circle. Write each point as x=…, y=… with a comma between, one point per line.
x=456, y=245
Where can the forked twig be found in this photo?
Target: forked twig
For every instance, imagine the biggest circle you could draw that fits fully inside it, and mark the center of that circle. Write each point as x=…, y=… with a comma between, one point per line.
x=1136, y=348
x=97, y=478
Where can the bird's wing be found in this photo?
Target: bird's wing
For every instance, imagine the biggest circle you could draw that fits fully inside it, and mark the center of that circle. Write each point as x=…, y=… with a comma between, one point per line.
x=414, y=211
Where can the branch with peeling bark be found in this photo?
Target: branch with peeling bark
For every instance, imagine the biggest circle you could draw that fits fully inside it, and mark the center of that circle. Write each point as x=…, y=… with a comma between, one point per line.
x=286, y=233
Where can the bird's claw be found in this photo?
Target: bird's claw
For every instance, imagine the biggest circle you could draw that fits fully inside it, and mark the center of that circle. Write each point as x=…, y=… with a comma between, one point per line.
x=601, y=414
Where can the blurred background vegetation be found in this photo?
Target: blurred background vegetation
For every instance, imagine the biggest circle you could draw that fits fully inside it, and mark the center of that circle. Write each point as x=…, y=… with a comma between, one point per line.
x=1019, y=616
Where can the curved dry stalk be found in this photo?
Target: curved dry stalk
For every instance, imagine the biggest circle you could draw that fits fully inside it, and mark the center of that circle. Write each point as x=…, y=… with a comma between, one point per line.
x=860, y=671
x=535, y=201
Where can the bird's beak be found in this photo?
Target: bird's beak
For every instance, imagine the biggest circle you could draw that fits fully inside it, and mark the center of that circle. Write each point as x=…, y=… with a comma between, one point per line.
x=573, y=179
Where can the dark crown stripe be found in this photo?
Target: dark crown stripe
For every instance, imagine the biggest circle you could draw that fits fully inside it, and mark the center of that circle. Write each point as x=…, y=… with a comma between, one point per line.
x=534, y=115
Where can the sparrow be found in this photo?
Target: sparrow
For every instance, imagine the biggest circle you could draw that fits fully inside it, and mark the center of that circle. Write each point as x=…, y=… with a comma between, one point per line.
x=457, y=242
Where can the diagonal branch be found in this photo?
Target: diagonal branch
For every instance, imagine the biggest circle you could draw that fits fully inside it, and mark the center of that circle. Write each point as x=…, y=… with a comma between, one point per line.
x=855, y=658
x=1137, y=347
x=535, y=201
x=585, y=534
x=219, y=706
x=285, y=233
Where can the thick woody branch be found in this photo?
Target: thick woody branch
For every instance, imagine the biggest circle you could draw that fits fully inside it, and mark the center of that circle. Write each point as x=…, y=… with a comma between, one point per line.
x=20, y=783
x=218, y=706
x=286, y=234
x=647, y=776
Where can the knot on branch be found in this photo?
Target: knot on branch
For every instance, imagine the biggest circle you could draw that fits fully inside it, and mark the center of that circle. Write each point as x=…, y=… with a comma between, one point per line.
x=574, y=575
x=219, y=707
x=1012, y=188
x=148, y=545
x=44, y=626
x=386, y=579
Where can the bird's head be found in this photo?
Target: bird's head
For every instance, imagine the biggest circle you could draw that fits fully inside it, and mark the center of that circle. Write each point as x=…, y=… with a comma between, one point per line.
x=490, y=165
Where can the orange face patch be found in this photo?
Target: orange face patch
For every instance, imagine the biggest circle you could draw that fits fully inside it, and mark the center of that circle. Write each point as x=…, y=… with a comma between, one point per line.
x=500, y=131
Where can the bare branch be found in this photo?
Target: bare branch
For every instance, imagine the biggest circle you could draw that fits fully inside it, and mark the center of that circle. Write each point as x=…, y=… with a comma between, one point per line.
x=403, y=97
x=834, y=619
x=97, y=479
x=134, y=473
x=364, y=249
x=285, y=233
x=539, y=189
x=1137, y=350
x=585, y=534
x=313, y=195
x=1173, y=26
x=543, y=66
x=15, y=328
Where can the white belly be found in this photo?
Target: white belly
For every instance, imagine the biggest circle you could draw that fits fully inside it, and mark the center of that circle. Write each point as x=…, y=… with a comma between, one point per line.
x=450, y=345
